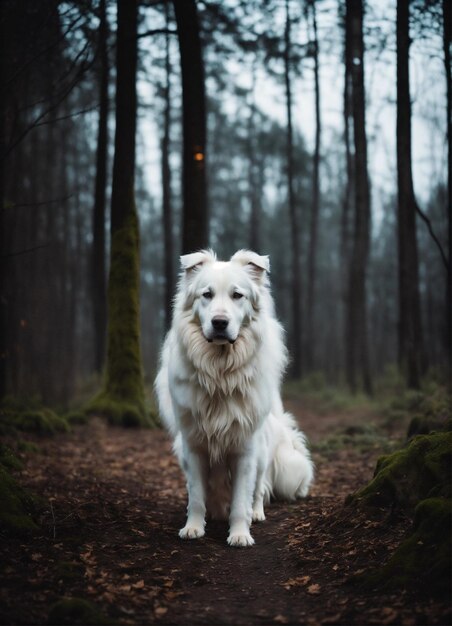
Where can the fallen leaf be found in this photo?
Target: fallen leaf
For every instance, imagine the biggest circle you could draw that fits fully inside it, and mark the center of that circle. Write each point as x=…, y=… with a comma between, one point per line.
x=280, y=619
x=389, y=615
x=138, y=585
x=160, y=611
x=299, y=581
x=314, y=589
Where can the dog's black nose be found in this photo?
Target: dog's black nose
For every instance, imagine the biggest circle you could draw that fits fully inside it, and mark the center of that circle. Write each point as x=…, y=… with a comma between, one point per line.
x=219, y=323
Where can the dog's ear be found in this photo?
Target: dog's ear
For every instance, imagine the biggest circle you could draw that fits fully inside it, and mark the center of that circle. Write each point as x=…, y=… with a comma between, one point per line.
x=256, y=265
x=192, y=262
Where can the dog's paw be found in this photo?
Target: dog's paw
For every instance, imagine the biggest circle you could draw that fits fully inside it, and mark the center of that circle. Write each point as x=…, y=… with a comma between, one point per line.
x=258, y=515
x=192, y=532
x=240, y=540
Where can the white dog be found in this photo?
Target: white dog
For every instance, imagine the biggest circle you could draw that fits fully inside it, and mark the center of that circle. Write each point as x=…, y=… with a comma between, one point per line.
x=218, y=390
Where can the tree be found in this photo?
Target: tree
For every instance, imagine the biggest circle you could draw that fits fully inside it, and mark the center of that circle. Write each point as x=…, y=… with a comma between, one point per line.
x=167, y=211
x=98, y=271
x=122, y=398
x=195, y=216
x=347, y=207
x=410, y=329
x=3, y=328
x=253, y=173
x=447, y=38
x=358, y=354
x=315, y=206
x=296, y=267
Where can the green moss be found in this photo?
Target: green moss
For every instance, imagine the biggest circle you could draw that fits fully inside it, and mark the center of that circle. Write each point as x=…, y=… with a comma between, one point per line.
x=76, y=417
x=41, y=422
x=419, y=471
x=16, y=507
x=123, y=400
x=38, y=420
x=27, y=446
x=425, y=557
x=76, y=611
x=422, y=425
x=323, y=398
x=8, y=459
x=362, y=437
x=119, y=412
x=429, y=409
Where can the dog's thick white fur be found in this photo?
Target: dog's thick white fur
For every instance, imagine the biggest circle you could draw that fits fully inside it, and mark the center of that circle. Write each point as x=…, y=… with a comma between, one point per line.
x=218, y=390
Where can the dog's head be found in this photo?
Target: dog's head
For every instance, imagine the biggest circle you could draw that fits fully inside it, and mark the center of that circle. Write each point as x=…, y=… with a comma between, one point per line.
x=224, y=296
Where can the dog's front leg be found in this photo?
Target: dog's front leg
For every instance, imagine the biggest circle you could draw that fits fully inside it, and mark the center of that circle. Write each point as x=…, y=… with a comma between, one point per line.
x=243, y=470
x=196, y=471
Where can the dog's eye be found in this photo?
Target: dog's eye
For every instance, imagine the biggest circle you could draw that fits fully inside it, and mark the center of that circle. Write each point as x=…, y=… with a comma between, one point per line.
x=236, y=295
x=207, y=295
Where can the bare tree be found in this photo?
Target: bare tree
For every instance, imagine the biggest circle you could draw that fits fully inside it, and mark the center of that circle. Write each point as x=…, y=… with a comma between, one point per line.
x=348, y=195
x=3, y=329
x=123, y=396
x=253, y=182
x=98, y=270
x=410, y=329
x=167, y=209
x=358, y=355
x=296, y=267
x=447, y=38
x=195, y=216
x=315, y=207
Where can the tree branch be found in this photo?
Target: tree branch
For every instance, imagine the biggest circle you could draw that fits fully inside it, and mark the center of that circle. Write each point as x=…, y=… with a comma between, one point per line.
x=38, y=204
x=26, y=251
x=157, y=31
x=423, y=216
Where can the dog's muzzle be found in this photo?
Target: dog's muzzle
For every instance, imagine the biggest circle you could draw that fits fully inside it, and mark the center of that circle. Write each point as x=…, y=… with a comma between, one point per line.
x=219, y=326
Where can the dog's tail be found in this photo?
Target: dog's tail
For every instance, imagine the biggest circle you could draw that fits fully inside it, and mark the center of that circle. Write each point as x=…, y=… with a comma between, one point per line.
x=292, y=468
x=165, y=403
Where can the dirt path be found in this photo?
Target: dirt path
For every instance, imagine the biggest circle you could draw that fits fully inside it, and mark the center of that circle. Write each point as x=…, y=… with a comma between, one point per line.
x=110, y=536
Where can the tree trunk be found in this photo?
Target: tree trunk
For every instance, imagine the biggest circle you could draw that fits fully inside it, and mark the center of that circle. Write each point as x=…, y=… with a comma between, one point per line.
x=410, y=330
x=361, y=236
x=123, y=397
x=447, y=39
x=312, y=255
x=3, y=261
x=296, y=269
x=167, y=212
x=98, y=270
x=253, y=183
x=347, y=202
x=195, y=218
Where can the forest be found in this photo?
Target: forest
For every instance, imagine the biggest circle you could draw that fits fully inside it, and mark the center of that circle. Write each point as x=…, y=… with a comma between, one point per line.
x=317, y=132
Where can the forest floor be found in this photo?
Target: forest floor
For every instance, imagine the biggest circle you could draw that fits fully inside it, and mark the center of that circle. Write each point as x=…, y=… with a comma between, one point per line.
x=116, y=499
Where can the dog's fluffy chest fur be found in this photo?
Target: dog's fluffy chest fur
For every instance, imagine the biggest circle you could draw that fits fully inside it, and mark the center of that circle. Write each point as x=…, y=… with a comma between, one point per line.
x=221, y=411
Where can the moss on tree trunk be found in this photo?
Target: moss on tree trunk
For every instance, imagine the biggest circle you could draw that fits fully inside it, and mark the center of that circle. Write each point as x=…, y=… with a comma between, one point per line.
x=122, y=400
x=417, y=480
x=425, y=556
x=404, y=478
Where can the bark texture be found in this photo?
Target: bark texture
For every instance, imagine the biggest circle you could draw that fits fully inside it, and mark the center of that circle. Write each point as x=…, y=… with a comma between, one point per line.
x=195, y=217
x=410, y=329
x=296, y=341
x=167, y=209
x=447, y=41
x=122, y=400
x=98, y=269
x=315, y=207
x=358, y=354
